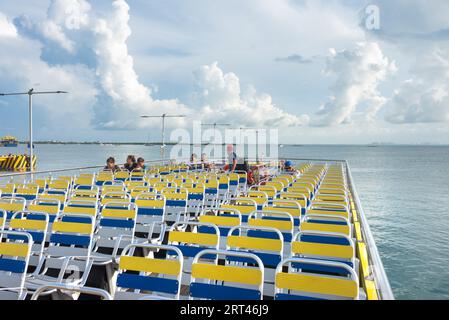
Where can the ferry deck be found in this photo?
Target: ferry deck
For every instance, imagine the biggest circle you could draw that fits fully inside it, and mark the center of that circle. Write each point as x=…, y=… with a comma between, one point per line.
x=178, y=233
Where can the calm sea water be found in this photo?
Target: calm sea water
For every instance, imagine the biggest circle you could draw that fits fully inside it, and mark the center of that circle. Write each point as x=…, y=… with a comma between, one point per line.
x=404, y=191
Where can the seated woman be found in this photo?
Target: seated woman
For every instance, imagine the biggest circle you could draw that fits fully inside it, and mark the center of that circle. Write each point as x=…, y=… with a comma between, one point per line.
x=110, y=165
x=194, y=162
x=140, y=166
x=130, y=164
x=205, y=163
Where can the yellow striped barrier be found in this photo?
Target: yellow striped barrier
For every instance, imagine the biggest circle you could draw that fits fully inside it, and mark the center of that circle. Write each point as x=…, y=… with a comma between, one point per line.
x=16, y=162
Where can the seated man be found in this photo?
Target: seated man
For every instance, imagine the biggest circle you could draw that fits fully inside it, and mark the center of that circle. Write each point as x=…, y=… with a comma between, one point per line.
x=288, y=167
x=140, y=166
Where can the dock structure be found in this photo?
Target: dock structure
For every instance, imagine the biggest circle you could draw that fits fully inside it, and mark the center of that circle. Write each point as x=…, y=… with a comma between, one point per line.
x=15, y=162
x=9, y=141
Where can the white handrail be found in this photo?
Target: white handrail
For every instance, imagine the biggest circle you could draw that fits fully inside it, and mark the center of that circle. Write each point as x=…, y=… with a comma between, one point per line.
x=380, y=276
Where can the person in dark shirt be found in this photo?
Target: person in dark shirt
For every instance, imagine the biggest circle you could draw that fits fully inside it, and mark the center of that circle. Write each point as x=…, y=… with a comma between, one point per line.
x=193, y=158
x=110, y=165
x=194, y=165
x=288, y=167
x=130, y=164
x=242, y=166
x=232, y=158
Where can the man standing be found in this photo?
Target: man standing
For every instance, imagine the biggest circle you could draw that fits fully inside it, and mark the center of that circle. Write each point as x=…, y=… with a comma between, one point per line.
x=232, y=158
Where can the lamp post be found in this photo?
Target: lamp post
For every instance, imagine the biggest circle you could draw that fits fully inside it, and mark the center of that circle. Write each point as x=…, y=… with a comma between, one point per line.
x=215, y=125
x=257, y=139
x=30, y=94
x=164, y=116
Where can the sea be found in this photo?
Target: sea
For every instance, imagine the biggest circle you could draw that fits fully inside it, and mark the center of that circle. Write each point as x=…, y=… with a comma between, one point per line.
x=404, y=191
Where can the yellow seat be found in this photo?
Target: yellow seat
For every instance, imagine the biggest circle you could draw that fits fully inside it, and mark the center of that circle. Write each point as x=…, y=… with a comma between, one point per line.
x=59, y=184
x=81, y=207
x=115, y=197
x=326, y=223
x=292, y=283
x=290, y=206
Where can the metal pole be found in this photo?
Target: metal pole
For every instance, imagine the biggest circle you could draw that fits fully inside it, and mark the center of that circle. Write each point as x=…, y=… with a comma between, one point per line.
x=30, y=106
x=257, y=146
x=240, y=136
x=163, y=137
x=30, y=94
x=164, y=116
x=214, y=126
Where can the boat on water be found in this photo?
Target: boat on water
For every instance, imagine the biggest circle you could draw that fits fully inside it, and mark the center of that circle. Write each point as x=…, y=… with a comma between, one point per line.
x=9, y=142
x=291, y=235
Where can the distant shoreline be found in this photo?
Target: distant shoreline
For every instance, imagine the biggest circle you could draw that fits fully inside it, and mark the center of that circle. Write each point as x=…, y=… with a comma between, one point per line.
x=370, y=145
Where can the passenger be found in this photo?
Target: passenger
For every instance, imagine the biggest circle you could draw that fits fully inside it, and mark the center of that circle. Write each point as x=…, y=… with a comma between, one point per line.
x=130, y=164
x=205, y=163
x=243, y=166
x=140, y=165
x=232, y=159
x=288, y=167
x=281, y=165
x=110, y=165
x=194, y=162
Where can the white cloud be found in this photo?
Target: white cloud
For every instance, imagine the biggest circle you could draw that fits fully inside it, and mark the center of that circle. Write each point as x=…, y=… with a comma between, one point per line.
x=69, y=14
x=75, y=32
x=58, y=29
x=91, y=46
x=421, y=34
x=411, y=18
x=7, y=29
x=425, y=97
x=21, y=68
x=358, y=75
x=260, y=32
x=100, y=38
x=119, y=80
x=222, y=99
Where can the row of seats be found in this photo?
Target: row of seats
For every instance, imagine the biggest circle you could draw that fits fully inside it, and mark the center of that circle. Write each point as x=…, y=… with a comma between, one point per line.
x=290, y=237
x=193, y=189
x=65, y=185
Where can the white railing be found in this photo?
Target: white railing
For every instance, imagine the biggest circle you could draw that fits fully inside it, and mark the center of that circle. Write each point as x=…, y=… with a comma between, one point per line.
x=6, y=175
x=380, y=276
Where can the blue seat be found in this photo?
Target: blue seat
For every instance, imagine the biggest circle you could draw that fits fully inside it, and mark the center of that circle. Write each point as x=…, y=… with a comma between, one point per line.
x=212, y=281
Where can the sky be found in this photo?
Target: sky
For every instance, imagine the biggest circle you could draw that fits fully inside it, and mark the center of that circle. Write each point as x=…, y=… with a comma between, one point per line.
x=319, y=71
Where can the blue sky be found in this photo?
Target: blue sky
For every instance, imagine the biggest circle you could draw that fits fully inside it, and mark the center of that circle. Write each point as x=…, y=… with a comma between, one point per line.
x=310, y=68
